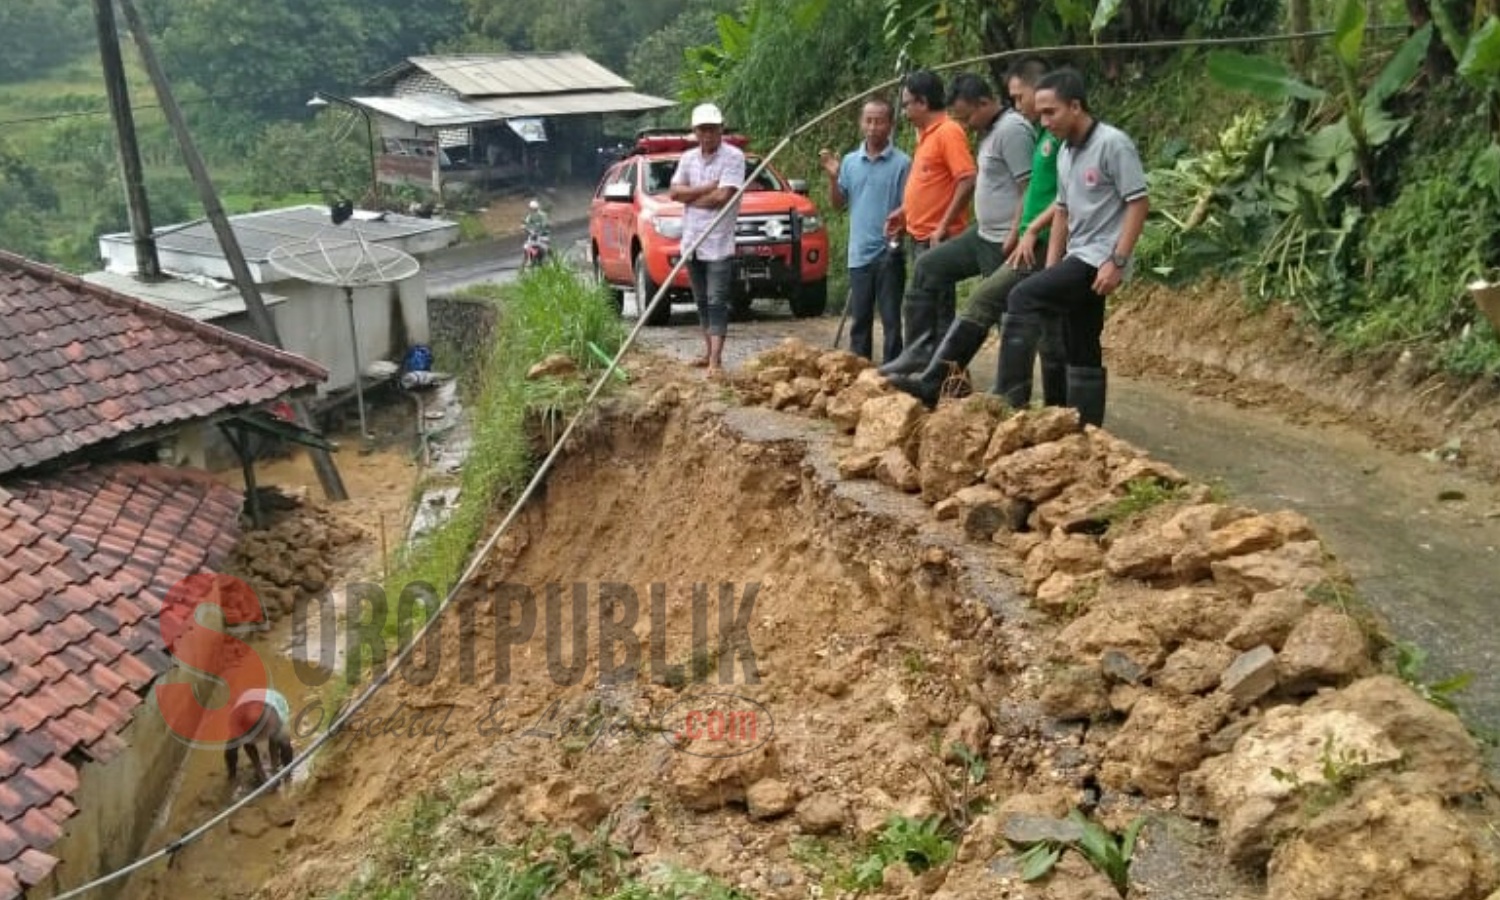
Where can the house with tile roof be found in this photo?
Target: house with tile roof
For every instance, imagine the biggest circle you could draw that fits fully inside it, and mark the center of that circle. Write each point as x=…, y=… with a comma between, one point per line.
x=95, y=532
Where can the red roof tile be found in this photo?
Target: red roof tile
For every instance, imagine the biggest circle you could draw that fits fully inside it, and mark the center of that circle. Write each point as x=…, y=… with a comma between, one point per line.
x=63, y=340
x=89, y=555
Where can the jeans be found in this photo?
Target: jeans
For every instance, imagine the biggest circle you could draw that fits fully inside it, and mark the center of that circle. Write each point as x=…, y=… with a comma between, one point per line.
x=876, y=287
x=939, y=270
x=1065, y=293
x=710, y=282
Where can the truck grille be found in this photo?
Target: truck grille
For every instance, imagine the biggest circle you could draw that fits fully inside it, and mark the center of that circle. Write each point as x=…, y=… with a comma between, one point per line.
x=761, y=229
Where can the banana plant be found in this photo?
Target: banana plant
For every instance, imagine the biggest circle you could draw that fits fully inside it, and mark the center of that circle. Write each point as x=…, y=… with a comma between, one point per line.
x=1324, y=161
x=709, y=65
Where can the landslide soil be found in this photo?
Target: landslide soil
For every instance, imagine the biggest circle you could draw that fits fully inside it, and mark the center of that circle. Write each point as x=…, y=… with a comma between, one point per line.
x=870, y=654
x=857, y=655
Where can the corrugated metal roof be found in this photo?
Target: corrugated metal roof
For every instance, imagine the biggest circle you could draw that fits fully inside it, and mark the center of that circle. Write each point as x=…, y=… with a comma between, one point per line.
x=505, y=74
x=198, y=301
x=429, y=110
x=574, y=104
x=257, y=233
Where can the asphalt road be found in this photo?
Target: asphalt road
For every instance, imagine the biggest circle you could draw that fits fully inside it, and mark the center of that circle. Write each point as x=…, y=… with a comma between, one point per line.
x=498, y=261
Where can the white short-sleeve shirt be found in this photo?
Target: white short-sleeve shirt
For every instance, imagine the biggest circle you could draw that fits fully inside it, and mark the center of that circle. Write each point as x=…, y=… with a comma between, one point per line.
x=725, y=167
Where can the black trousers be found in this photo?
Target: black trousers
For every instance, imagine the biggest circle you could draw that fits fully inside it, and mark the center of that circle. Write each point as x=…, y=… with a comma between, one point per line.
x=1064, y=294
x=876, y=289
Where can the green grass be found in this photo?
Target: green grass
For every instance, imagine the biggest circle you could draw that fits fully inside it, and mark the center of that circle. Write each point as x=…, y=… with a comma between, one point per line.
x=919, y=844
x=76, y=86
x=421, y=847
x=549, y=310
x=1141, y=496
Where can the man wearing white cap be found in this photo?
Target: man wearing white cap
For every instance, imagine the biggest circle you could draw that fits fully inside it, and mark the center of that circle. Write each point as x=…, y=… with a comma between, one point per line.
x=705, y=180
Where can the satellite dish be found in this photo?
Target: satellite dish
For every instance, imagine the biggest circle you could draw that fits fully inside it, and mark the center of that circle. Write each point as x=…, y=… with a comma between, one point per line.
x=343, y=258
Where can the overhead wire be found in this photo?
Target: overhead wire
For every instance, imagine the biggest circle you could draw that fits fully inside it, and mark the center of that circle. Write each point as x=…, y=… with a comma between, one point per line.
x=644, y=314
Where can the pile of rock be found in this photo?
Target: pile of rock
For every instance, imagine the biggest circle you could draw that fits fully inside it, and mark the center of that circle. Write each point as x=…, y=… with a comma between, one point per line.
x=294, y=558
x=1215, y=651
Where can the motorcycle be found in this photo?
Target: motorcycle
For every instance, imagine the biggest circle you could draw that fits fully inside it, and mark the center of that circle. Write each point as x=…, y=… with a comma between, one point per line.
x=537, y=248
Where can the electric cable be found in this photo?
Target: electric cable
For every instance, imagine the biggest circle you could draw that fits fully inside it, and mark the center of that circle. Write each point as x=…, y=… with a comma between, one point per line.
x=644, y=314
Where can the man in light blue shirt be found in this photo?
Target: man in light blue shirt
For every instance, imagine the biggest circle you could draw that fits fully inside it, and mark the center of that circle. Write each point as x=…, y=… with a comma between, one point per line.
x=870, y=183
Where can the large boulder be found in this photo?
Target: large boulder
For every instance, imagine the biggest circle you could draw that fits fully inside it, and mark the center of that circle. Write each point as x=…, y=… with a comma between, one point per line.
x=954, y=438
x=1374, y=724
x=1252, y=792
x=844, y=407
x=1326, y=648
x=1298, y=565
x=1164, y=738
x=1269, y=619
x=887, y=422
x=1386, y=842
x=1109, y=627
x=1072, y=554
x=703, y=783
x=1037, y=474
x=838, y=369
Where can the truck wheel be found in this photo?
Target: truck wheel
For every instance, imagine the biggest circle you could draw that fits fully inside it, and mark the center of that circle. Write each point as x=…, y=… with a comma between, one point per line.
x=645, y=289
x=810, y=300
x=615, y=296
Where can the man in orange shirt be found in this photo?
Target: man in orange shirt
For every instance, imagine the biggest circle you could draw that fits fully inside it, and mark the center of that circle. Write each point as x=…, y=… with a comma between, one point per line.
x=935, y=208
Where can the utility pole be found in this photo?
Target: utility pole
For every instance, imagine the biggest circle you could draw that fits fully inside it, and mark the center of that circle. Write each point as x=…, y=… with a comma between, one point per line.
x=147, y=265
x=328, y=473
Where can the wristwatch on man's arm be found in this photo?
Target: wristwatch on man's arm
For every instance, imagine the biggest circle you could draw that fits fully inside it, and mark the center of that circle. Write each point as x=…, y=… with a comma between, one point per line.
x=1120, y=260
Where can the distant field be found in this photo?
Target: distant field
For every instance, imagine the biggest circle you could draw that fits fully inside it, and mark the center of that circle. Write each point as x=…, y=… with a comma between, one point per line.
x=74, y=87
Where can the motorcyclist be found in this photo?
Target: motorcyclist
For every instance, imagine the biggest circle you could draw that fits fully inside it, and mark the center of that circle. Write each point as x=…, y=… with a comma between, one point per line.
x=536, y=220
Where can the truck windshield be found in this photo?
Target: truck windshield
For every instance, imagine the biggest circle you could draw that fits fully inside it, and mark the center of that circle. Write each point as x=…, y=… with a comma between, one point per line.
x=659, y=176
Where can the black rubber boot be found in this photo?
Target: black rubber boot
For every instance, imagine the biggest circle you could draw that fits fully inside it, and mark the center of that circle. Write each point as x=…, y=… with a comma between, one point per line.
x=1019, y=337
x=959, y=346
x=1054, y=365
x=920, y=331
x=1086, y=390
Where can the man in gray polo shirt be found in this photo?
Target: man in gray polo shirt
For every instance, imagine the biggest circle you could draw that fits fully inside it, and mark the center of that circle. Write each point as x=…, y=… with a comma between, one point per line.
x=1100, y=211
x=1006, y=144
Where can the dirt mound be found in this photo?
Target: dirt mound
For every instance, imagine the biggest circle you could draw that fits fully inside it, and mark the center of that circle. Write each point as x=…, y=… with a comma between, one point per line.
x=1206, y=337
x=1188, y=633
x=887, y=655
x=296, y=555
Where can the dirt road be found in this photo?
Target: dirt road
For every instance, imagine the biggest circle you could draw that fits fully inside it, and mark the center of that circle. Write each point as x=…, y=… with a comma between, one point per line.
x=1423, y=563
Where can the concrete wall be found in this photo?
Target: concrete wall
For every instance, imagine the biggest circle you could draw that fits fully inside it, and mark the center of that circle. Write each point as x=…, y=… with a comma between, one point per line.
x=315, y=323
x=118, y=803
x=463, y=328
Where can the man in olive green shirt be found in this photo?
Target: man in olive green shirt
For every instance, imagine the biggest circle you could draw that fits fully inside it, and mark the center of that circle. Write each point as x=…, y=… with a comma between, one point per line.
x=987, y=305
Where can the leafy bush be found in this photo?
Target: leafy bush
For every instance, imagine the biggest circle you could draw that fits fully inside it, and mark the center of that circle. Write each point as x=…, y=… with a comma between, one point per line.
x=920, y=844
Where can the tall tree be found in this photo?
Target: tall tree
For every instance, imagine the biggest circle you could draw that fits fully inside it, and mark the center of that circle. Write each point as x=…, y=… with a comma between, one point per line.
x=264, y=59
x=36, y=34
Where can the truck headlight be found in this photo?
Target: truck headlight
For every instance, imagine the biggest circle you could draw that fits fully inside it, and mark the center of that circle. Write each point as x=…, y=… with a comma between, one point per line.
x=667, y=226
x=811, y=224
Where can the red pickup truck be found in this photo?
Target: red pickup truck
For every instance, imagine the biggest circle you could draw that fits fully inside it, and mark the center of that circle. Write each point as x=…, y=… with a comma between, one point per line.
x=635, y=232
